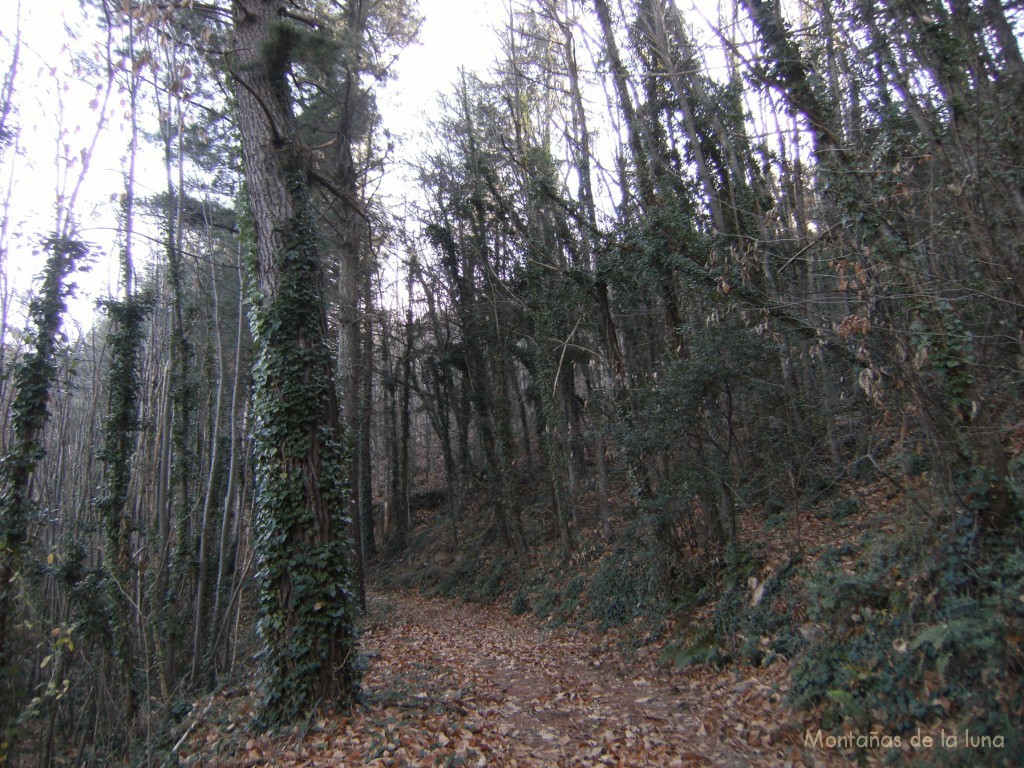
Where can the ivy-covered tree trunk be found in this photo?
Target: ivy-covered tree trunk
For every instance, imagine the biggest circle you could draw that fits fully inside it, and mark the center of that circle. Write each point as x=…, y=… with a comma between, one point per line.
x=34, y=377
x=120, y=427
x=303, y=554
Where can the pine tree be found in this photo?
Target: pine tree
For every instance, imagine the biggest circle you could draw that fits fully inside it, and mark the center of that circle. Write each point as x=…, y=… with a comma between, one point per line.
x=304, y=558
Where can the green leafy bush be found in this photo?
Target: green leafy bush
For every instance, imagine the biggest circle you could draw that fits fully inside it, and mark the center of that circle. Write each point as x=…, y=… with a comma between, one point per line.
x=520, y=604
x=742, y=623
x=559, y=604
x=630, y=582
x=701, y=646
x=915, y=630
x=845, y=507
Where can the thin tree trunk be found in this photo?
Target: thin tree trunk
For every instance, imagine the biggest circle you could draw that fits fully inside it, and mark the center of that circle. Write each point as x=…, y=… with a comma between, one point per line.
x=405, y=448
x=653, y=18
x=365, y=447
x=229, y=504
x=204, y=578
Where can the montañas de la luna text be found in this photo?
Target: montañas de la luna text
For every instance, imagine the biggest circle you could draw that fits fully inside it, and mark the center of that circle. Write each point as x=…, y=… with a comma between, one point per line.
x=879, y=740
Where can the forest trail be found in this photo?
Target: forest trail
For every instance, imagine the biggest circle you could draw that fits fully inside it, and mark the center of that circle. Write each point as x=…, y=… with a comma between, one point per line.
x=452, y=683
x=525, y=694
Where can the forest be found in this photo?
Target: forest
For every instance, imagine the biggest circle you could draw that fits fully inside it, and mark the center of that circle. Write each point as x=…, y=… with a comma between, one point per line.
x=655, y=401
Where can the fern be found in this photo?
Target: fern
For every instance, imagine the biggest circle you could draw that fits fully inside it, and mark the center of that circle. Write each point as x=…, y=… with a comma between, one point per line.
x=942, y=664
x=936, y=635
x=959, y=635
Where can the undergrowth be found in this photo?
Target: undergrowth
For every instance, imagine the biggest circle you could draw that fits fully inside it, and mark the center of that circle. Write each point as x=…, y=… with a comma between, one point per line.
x=632, y=581
x=915, y=630
x=908, y=622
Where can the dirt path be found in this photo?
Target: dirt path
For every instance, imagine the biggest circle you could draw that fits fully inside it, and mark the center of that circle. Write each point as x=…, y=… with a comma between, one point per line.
x=452, y=684
x=519, y=693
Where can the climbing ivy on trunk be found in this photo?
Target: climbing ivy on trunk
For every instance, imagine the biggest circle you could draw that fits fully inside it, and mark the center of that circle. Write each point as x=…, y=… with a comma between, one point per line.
x=304, y=558
x=34, y=378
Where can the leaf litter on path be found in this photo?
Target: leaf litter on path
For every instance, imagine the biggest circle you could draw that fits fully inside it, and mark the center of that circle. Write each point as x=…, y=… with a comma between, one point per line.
x=458, y=684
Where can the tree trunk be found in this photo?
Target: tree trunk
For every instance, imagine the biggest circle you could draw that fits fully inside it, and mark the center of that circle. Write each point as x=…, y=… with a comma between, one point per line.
x=34, y=377
x=365, y=448
x=404, y=447
x=395, y=519
x=304, y=569
x=229, y=508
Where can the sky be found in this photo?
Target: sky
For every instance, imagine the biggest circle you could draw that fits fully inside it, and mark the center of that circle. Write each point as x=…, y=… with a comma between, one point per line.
x=454, y=33
x=57, y=118
x=54, y=110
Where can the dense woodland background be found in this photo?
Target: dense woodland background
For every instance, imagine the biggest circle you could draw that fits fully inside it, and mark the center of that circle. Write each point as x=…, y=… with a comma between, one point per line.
x=663, y=289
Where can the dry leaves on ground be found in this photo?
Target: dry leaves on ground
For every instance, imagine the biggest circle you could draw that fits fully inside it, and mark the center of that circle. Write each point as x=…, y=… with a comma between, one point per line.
x=458, y=684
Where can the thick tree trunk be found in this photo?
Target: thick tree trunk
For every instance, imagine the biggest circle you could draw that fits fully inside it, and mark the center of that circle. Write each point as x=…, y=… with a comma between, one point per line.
x=351, y=230
x=303, y=555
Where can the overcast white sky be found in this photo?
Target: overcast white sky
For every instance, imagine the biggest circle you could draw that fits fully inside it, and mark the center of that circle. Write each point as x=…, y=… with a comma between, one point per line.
x=454, y=33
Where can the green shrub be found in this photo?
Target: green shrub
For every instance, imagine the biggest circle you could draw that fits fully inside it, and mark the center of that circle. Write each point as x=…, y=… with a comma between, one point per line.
x=489, y=582
x=701, y=646
x=520, y=604
x=916, y=463
x=844, y=508
x=742, y=625
x=547, y=601
x=631, y=581
x=870, y=664
x=903, y=651
x=456, y=579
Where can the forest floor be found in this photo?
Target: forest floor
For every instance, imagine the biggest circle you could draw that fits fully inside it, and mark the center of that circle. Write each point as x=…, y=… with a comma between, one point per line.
x=451, y=683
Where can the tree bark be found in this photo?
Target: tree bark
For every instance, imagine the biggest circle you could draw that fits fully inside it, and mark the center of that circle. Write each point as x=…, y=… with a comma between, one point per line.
x=365, y=449
x=303, y=555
